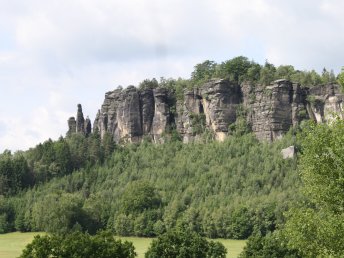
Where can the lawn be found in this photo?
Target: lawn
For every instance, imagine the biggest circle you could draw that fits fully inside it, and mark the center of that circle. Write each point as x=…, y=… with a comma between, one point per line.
x=12, y=244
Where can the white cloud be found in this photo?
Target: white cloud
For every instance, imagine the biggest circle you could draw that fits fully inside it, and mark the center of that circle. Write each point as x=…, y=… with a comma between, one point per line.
x=55, y=54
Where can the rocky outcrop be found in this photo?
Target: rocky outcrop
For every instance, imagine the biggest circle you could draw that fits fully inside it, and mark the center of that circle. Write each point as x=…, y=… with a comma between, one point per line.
x=162, y=114
x=288, y=153
x=88, y=126
x=79, y=125
x=325, y=102
x=220, y=101
x=273, y=109
x=71, y=126
x=187, y=109
x=211, y=107
x=131, y=114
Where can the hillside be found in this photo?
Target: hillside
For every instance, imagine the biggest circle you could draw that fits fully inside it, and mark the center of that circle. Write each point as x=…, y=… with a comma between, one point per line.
x=202, y=154
x=220, y=189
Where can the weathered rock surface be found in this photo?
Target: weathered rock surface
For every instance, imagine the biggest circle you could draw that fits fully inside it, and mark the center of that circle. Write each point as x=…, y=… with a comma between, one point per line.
x=273, y=109
x=220, y=101
x=79, y=125
x=288, y=153
x=88, y=126
x=71, y=126
x=131, y=114
x=325, y=102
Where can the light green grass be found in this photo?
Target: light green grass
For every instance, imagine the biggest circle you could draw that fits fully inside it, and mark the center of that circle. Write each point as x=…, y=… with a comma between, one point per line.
x=234, y=247
x=141, y=244
x=12, y=244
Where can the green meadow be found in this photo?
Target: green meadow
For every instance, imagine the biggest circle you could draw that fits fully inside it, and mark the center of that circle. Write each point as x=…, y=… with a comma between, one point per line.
x=12, y=244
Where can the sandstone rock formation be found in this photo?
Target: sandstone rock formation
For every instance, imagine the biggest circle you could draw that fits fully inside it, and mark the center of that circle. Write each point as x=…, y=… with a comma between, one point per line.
x=217, y=100
x=325, y=102
x=288, y=153
x=131, y=114
x=273, y=109
x=79, y=125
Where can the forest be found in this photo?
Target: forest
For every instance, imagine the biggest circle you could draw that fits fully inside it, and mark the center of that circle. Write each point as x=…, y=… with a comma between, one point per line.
x=240, y=188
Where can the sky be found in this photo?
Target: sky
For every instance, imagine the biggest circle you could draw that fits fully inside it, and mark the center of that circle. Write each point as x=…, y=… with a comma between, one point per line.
x=55, y=54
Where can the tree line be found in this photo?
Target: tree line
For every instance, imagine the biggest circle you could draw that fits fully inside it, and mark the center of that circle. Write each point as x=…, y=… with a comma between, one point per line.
x=239, y=70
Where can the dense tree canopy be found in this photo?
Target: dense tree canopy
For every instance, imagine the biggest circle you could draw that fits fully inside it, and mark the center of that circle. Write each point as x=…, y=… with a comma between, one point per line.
x=184, y=244
x=273, y=245
x=228, y=190
x=15, y=173
x=316, y=227
x=341, y=78
x=78, y=245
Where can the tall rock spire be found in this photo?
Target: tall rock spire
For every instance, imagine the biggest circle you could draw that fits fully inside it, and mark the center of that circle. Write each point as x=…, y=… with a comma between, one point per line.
x=79, y=125
x=71, y=126
x=80, y=121
x=88, y=127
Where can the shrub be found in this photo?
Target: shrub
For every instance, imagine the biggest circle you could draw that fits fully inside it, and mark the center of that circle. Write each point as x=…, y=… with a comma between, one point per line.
x=184, y=243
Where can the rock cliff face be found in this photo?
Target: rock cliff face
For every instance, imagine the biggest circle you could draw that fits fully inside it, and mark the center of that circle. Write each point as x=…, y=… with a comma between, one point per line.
x=216, y=101
x=325, y=103
x=132, y=114
x=273, y=109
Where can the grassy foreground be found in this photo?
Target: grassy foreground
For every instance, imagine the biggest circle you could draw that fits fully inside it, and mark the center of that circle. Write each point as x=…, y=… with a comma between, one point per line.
x=12, y=244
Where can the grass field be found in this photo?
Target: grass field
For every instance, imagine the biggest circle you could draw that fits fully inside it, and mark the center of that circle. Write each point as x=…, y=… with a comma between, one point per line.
x=12, y=244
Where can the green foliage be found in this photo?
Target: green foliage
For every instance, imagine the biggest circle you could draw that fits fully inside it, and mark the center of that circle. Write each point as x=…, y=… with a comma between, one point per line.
x=225, y=190
x=198, y=123
x=149, y=84
x=253, y=73
x=267, y=73
x=15, y=173
x=240, y=126
x=6, y=215
x=78, y=245
x=273, y=245
x=184, y=243
x=55, y=159
x=236, y=69
x=311, y=99
x=316, y=228
x=180, y=87
x=284, y=72
x=65, y=214
x=239, y=69
x=203, y=71
x=139, y=196
x=315, y=232
x=341, y=78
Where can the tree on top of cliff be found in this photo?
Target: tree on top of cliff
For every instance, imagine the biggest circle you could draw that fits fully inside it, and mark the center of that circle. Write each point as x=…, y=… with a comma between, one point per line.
x=149, y=84
x=204, y=71
x=341, y=78
x=235, y=69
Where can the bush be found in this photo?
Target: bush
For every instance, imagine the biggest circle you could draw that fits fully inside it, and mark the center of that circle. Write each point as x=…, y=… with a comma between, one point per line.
x=272, y=245
x=78, y=245
x=183, y=244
